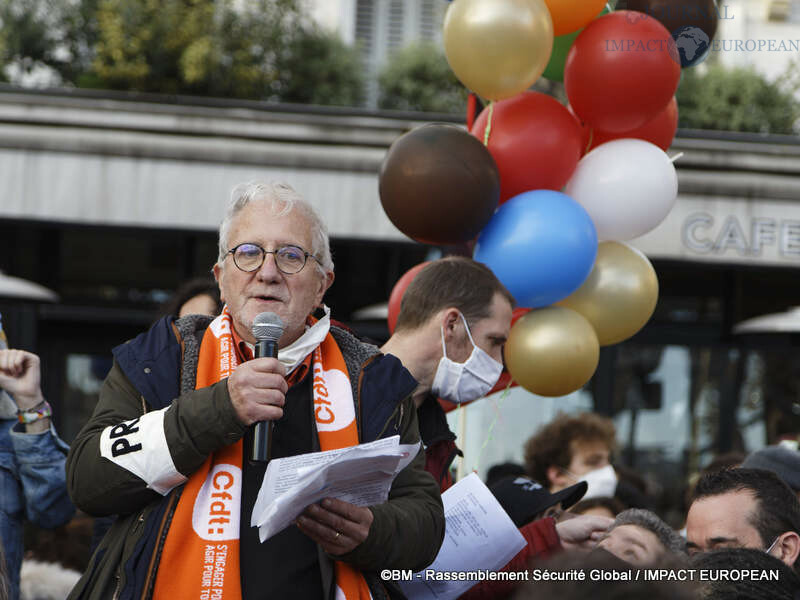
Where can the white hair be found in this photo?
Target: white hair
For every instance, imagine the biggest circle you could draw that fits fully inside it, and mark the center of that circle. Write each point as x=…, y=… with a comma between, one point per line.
x=669, y=538
x=283, y=199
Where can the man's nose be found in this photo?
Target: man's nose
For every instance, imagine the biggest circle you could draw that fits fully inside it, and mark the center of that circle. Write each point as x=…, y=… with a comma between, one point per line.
x=268, y=271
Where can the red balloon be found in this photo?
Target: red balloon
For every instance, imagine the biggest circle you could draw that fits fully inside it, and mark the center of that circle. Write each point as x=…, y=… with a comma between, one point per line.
x=534, y=140
x=621, y=71
x=396, y=297
x=659, y=131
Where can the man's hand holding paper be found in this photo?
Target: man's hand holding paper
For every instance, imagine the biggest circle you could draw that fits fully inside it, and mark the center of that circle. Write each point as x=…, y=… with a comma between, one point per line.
x=336, y=525
x=347, y=479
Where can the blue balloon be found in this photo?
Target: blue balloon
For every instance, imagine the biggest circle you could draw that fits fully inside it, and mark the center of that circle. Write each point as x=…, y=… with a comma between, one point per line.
x=541, y=245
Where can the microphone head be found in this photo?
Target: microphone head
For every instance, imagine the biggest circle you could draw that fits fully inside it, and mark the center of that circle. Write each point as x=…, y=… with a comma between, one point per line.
x=267, y=326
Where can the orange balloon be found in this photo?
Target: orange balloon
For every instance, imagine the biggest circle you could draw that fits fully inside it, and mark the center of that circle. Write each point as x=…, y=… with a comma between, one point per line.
x=571, y=15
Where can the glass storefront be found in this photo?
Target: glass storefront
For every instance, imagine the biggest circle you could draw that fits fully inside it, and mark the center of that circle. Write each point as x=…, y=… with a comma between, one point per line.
x=681, y=392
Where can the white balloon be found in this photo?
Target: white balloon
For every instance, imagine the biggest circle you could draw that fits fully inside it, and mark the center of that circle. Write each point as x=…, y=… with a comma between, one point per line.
x=627, y=186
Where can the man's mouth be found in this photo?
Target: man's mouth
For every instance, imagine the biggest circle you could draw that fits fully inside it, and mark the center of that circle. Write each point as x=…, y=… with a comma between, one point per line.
x=268, y=298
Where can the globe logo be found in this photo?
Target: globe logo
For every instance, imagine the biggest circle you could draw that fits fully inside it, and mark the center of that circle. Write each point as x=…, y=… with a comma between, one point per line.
x=692, y=44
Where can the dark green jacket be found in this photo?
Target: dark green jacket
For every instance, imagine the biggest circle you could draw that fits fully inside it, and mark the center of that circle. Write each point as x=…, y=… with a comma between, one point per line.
x=155, y=372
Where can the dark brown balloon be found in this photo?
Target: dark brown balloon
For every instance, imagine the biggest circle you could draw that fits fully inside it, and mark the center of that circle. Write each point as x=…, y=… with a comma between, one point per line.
x=675, y=14
x=439, y=184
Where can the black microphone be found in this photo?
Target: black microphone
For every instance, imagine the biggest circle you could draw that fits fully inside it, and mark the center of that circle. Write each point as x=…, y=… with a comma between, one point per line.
x=267, y=329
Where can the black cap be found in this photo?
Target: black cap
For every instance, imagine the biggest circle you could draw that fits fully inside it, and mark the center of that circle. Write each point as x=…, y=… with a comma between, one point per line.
x=523, y=498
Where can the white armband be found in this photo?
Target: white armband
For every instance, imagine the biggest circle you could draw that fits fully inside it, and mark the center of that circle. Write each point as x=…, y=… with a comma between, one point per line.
x=140, y=447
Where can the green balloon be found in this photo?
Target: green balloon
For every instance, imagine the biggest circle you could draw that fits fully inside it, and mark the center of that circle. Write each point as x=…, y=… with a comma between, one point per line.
x=558, y=58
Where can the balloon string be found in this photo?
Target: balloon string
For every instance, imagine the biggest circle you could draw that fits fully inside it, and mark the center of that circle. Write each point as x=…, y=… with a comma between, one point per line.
x=676, y=157
x=488, y=438
x=591, y=139
x=488, y=124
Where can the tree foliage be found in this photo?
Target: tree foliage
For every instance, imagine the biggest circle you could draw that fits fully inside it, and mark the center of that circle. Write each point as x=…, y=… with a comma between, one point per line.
x=258, y=49
x=737, y=99
x=54, y=35
x=419, y=78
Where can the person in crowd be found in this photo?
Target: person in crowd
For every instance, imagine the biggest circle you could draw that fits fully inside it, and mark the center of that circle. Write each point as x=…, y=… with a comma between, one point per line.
x=781, y=460
x=526, y=500
x=32, y=480
x=642, y=539
x=718, y=585
x=199, y=296
x=613, y=579
x=454, y=318
x=574, y=448
x=502, y=470
x=632, y=489
x=164, y=447
x=604, y=506
x=744, y=508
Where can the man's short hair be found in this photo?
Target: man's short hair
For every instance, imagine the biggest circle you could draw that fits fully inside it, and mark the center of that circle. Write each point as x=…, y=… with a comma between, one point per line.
x=455, y=281
x=784, y=587
x=283, y=199
x=552, y=444
x=777, y=508
x=669, y=538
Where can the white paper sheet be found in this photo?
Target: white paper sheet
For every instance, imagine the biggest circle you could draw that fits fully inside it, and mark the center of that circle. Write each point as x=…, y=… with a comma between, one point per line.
x=479, y=536
x=361, y=475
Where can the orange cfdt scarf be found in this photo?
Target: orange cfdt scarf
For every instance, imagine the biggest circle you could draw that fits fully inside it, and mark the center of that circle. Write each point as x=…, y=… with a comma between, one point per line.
x=201, y=553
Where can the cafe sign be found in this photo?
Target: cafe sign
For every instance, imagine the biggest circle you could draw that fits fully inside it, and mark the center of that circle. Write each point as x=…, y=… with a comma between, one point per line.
x=731, y=231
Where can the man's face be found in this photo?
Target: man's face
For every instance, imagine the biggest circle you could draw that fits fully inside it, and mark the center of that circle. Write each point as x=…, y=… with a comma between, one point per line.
x=588, y=455
x=722, y=521
x=291, y=297
x=634, y=545
x=489, y=334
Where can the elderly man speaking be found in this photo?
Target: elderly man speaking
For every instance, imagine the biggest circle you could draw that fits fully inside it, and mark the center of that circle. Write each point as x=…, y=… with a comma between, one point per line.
x=164, y=450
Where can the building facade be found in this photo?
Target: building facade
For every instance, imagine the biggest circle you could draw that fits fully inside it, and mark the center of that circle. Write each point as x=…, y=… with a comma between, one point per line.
x=113, y=200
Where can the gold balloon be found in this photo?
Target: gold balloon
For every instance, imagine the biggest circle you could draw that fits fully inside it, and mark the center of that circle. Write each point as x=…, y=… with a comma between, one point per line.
x=552, y=351
x=620, y=294
x=498, y=48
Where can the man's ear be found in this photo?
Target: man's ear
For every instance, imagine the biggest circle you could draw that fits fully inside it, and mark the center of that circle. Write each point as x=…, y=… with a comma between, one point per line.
x=449, y=321
x=789, y=547
x=217, y=271
x=325, y=282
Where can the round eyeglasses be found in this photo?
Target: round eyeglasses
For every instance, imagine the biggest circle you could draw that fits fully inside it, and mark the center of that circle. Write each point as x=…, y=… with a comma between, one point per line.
x=289, y=259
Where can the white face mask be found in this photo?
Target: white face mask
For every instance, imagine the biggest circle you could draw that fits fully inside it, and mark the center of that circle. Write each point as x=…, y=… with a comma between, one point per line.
x=296, y=352
x=602, y=482
x=467, y=381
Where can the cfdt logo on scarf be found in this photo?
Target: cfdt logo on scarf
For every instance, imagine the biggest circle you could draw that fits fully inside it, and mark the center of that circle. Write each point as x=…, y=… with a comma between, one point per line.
x=216, y=510
x=220, y=326
x=331, y=411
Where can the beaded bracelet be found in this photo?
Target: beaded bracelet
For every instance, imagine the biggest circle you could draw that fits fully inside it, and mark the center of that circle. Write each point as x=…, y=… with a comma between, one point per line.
x=41, y=411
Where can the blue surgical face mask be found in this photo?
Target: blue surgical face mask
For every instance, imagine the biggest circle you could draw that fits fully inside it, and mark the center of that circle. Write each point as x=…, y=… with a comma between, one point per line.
x=467, y=381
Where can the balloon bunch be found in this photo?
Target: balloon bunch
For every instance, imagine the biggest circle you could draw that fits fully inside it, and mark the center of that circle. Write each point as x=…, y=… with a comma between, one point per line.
x=553, y=192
